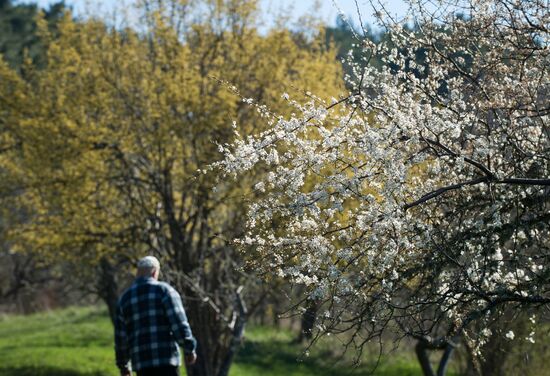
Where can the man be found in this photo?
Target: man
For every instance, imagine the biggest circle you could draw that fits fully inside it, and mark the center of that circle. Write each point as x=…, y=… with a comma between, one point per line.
x=150, y=323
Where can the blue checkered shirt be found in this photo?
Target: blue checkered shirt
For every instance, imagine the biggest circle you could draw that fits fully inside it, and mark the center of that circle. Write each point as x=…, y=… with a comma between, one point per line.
x=150, y=323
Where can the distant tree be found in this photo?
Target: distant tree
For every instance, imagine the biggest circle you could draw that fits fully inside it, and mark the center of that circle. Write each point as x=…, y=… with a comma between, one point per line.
x=348, y=38
x=24, y=272
x=18, y=31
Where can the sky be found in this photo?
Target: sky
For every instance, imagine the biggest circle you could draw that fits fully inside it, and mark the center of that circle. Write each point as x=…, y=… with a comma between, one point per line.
x=325, y=9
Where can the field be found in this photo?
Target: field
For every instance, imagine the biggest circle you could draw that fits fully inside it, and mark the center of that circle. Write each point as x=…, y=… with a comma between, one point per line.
x=78, y=342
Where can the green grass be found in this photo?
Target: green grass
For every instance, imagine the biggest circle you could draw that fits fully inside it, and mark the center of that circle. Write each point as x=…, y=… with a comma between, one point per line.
x=271, y=352
x=78, y=342
x=66, y=343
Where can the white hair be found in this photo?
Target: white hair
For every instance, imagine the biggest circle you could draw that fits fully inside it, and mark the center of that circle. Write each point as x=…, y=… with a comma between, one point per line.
x=148, y=263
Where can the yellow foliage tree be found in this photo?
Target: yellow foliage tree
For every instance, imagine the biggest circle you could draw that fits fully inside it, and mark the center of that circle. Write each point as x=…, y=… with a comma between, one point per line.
x=103, y=147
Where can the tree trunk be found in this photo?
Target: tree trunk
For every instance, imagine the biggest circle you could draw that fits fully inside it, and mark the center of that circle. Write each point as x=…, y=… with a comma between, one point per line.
x=217, y=344
x=201, y=367
x=423, y=358
x=213, y=359
x=107, y=286
x=308, y=320
x=422, y=348
x=205, y=328
x=444, y=362
x=238, y=333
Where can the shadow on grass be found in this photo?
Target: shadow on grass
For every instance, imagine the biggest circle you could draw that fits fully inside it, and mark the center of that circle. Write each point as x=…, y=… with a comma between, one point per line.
x=286, y=357
x=44, y=371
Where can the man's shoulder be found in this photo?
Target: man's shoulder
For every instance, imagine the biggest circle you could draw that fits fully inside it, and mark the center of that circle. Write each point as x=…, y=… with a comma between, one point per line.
x=134, y=289
x=126, y=294
x=166, y=287
x=162, y=287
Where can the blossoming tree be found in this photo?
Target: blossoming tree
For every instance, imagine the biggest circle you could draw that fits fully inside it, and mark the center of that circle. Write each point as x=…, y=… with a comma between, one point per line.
x=419, y=202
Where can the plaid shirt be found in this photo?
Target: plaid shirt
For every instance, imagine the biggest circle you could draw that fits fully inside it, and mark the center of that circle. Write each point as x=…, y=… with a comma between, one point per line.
x=150, y=322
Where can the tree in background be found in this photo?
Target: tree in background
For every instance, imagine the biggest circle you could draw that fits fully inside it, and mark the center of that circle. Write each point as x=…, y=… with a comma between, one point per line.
x=18, y=31
x=345, y=37
x=31, y=284
x=105, y=143
x=419, y=202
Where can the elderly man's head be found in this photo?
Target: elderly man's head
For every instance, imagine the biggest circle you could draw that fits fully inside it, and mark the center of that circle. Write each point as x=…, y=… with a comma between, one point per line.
x=148, y=266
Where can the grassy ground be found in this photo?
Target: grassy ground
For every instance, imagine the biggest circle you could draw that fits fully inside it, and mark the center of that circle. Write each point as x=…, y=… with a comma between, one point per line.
x=78, y=342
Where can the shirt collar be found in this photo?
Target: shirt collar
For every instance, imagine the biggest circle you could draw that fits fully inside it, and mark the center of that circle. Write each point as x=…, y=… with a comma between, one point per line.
x=144, y=279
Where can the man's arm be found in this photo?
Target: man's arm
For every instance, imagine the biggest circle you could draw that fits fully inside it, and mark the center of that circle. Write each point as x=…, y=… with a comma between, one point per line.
x=178, y=322
x=122, y=351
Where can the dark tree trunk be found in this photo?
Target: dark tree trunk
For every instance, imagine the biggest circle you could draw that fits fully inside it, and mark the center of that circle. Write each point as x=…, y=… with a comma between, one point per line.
x=423, y=359
x=201, y=367
x=203, y=326
x=496, y=352
x=308, y=320
x=444, y=362
x=422, y=347
x=107, y=286
x=217, y=342
x=238, y=333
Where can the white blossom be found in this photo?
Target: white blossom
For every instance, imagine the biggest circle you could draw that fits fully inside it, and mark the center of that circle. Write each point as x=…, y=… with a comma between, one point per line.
x=413, y=177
